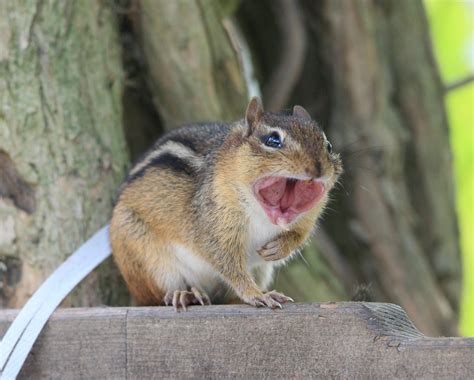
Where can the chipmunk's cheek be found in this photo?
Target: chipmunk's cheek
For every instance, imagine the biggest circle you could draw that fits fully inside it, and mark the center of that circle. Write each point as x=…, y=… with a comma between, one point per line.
x=283, y=199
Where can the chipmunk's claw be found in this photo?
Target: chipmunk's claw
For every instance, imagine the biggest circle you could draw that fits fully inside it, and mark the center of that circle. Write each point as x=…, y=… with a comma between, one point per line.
x=168, y=298
x=272, y=251
x=200, y=296
x=271, y=299
x=180, y=299
x=280, y=297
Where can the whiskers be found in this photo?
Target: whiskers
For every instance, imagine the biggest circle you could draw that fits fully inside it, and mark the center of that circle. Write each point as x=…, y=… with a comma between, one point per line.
x=346, y=151
x=366, y=160
x=298, y=251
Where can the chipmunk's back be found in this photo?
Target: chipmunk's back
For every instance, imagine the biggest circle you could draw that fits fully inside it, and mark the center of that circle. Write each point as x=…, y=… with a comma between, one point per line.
x=184, y=150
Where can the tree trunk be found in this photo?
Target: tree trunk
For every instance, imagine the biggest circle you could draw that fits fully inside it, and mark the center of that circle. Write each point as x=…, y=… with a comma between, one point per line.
x=370, y=78
x=62, y=151
x=193, y=69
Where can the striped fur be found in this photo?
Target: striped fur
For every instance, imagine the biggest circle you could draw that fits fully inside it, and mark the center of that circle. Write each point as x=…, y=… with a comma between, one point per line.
x=186, y=215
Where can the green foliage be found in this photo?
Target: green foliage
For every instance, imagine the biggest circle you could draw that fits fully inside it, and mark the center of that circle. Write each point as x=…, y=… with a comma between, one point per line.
x=452, y=29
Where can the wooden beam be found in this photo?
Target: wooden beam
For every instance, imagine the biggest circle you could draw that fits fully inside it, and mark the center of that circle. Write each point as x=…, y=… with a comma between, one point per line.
x=303, y=340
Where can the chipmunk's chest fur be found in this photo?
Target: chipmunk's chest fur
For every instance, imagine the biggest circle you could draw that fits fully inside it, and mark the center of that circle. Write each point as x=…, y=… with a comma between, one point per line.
x=260, y=231
x=192, y=269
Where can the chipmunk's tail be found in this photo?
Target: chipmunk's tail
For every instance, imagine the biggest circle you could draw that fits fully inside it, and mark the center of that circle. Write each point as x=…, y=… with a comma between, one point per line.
x=17, y=342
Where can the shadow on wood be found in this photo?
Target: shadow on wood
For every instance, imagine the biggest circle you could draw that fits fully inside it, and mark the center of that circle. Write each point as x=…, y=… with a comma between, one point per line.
x=303, y=340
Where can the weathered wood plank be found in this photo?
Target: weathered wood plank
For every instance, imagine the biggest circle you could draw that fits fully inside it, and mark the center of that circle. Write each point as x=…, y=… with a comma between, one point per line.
x=82, y=343
x=237, y=341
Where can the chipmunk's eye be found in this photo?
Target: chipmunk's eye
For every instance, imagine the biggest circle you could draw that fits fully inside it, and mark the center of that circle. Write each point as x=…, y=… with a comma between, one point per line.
x=329, y=147
x=273, y=140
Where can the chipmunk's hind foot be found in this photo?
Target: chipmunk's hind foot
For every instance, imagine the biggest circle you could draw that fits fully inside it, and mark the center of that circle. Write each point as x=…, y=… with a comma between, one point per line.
x=271, y=299
x=180, y=299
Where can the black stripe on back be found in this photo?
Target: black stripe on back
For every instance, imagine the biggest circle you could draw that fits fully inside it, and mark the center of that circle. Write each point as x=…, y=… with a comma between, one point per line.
x=165, y=161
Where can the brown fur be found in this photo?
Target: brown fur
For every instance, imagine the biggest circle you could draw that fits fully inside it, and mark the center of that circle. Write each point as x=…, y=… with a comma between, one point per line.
x=201, y=209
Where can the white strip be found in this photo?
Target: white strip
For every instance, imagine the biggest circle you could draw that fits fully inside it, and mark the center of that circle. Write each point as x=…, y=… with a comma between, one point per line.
x=245, y=57
x=173, y=147
x=23, y=332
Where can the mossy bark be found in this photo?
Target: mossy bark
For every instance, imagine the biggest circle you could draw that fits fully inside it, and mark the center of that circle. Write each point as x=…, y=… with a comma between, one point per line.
x=61, y=136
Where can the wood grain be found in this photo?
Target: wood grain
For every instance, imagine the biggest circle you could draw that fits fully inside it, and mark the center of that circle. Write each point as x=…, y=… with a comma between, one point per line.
x=236, y=341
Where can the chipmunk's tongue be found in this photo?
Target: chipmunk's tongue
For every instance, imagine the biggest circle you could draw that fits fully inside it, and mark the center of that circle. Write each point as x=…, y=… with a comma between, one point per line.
x=283, y=199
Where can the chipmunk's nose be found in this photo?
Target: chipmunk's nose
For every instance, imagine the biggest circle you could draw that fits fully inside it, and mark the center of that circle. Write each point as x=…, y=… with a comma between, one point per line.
x=319, y=169
x=316, y=171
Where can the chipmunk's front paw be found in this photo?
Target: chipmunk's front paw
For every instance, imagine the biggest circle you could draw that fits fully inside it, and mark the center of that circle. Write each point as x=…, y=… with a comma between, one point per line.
x=272, y=251
x=271, y=299
x=183, y=298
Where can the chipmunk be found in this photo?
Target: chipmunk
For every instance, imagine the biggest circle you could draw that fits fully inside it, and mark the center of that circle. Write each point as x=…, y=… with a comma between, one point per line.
x=212, y=209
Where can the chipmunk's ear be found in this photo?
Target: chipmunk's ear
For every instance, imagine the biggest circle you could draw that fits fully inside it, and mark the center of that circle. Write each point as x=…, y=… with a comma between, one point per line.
x=300, y=112
x=253, y=114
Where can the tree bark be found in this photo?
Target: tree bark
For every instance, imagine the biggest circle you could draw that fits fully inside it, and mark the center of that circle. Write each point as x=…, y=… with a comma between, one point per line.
x=193, y=69
x=62, y=151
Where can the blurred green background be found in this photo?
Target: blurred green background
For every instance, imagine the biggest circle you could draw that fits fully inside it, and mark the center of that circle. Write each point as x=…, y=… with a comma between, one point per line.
x=452, y=30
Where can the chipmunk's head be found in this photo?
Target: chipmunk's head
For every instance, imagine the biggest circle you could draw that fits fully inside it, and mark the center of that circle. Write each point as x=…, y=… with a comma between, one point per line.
x=292, y=165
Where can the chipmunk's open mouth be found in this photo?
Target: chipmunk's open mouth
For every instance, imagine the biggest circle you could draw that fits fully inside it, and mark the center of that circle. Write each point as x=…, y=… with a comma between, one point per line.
x=283, y=198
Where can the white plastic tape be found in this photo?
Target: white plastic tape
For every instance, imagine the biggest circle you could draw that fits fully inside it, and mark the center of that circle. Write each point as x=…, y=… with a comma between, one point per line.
x=17, y=342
